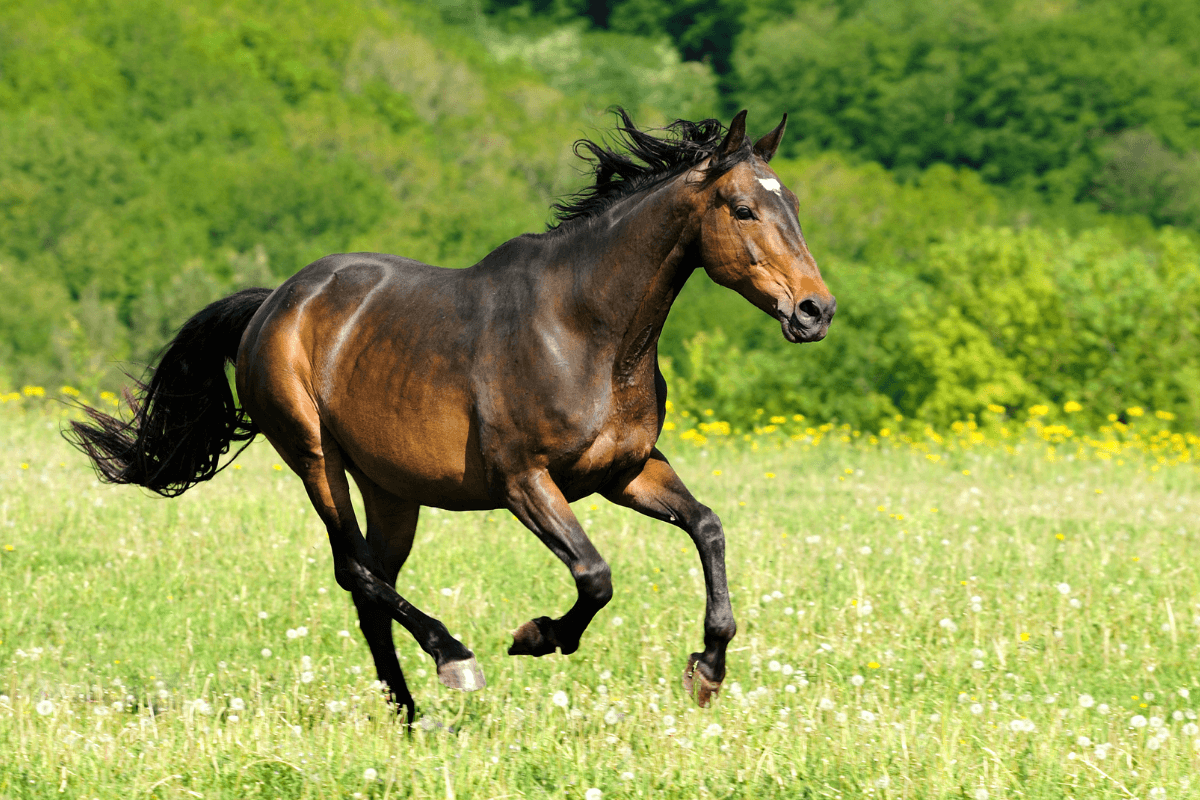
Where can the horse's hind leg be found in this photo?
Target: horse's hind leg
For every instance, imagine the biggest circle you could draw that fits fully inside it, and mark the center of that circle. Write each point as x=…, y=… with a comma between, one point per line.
x=312, y=453
x=391, y=526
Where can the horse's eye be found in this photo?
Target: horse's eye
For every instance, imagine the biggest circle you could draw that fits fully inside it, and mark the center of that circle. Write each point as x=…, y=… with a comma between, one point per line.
x=743, y=212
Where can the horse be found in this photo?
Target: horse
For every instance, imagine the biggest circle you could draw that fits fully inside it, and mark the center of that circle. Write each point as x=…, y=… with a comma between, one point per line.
x=525, y=382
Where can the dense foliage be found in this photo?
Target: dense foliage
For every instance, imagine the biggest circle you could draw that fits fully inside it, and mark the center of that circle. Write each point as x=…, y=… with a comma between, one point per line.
x=989, y=186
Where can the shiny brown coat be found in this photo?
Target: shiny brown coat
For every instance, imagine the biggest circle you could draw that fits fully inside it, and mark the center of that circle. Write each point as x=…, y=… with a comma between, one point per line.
x=524, y=382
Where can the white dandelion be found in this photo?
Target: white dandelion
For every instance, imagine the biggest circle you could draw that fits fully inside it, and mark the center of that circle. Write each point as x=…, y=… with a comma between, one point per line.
x=45, y=707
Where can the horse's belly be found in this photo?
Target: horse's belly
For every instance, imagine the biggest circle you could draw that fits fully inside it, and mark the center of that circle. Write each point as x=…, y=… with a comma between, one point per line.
x=427, y=455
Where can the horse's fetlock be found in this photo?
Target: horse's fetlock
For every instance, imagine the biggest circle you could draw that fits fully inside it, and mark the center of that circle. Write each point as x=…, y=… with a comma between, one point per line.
x=722, y=630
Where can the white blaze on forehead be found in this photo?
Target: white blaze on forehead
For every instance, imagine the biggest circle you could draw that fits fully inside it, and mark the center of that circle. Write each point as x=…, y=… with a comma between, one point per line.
x=770, y=184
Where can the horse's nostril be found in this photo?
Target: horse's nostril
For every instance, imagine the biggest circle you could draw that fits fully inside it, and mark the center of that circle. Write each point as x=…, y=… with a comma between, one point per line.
x=809, y=308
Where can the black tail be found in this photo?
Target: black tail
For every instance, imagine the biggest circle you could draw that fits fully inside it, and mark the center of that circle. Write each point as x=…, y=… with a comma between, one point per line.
x=184, y=420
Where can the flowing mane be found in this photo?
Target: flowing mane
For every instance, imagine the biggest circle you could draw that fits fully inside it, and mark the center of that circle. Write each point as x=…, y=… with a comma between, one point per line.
x=641, y=161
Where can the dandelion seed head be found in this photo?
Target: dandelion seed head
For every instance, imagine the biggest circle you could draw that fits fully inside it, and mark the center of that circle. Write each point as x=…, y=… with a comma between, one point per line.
x=369, y=774
x=560, y=699
x=44, y=707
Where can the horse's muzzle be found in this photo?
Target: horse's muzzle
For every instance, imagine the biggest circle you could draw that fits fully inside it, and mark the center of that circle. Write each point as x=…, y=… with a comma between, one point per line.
x=809, y=321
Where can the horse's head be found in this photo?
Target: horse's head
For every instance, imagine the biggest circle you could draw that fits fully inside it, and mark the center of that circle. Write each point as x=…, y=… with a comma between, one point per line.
x=750, y=238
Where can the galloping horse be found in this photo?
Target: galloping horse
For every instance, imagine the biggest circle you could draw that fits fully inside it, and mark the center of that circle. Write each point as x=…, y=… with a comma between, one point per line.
x=525, y=382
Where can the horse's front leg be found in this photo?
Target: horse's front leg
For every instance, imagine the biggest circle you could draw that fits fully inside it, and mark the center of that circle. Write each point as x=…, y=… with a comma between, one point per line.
x=656, y=491
x=535, y=500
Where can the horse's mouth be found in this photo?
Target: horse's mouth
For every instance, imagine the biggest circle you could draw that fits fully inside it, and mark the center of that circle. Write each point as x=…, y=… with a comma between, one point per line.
x=796, y=331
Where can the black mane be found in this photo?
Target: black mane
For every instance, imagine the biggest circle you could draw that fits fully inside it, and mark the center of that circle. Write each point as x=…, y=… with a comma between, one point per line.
x=647, y=161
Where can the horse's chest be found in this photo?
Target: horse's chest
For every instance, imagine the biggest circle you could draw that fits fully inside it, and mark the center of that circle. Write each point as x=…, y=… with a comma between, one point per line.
x=625, y=440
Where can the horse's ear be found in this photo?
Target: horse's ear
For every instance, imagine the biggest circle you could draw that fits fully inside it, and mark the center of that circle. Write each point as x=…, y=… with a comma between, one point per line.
x=735, y=137
x=767, y=145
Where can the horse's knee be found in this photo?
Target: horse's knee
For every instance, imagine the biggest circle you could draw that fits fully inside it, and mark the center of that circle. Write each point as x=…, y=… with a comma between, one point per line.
x=594, y=582
x=708, y=531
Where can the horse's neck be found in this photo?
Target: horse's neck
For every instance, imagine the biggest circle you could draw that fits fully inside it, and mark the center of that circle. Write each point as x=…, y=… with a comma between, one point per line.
x=638, y=264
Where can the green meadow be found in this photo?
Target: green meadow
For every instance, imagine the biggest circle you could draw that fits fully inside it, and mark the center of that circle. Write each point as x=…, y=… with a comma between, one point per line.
x=996, y=611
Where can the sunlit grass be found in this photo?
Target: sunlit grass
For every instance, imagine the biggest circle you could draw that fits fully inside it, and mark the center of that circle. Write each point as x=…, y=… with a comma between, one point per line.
x=1012, y=618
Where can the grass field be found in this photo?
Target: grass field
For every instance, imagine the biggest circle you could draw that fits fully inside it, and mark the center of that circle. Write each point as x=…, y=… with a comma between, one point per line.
x=966, y=616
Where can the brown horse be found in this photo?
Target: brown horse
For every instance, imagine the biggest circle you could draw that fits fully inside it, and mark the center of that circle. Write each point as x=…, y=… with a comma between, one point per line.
x=525, y=382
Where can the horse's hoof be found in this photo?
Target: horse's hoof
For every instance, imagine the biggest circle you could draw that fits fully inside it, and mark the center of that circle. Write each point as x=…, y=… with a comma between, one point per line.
x=465, y=675
x=702, y=688
x=534, y=638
